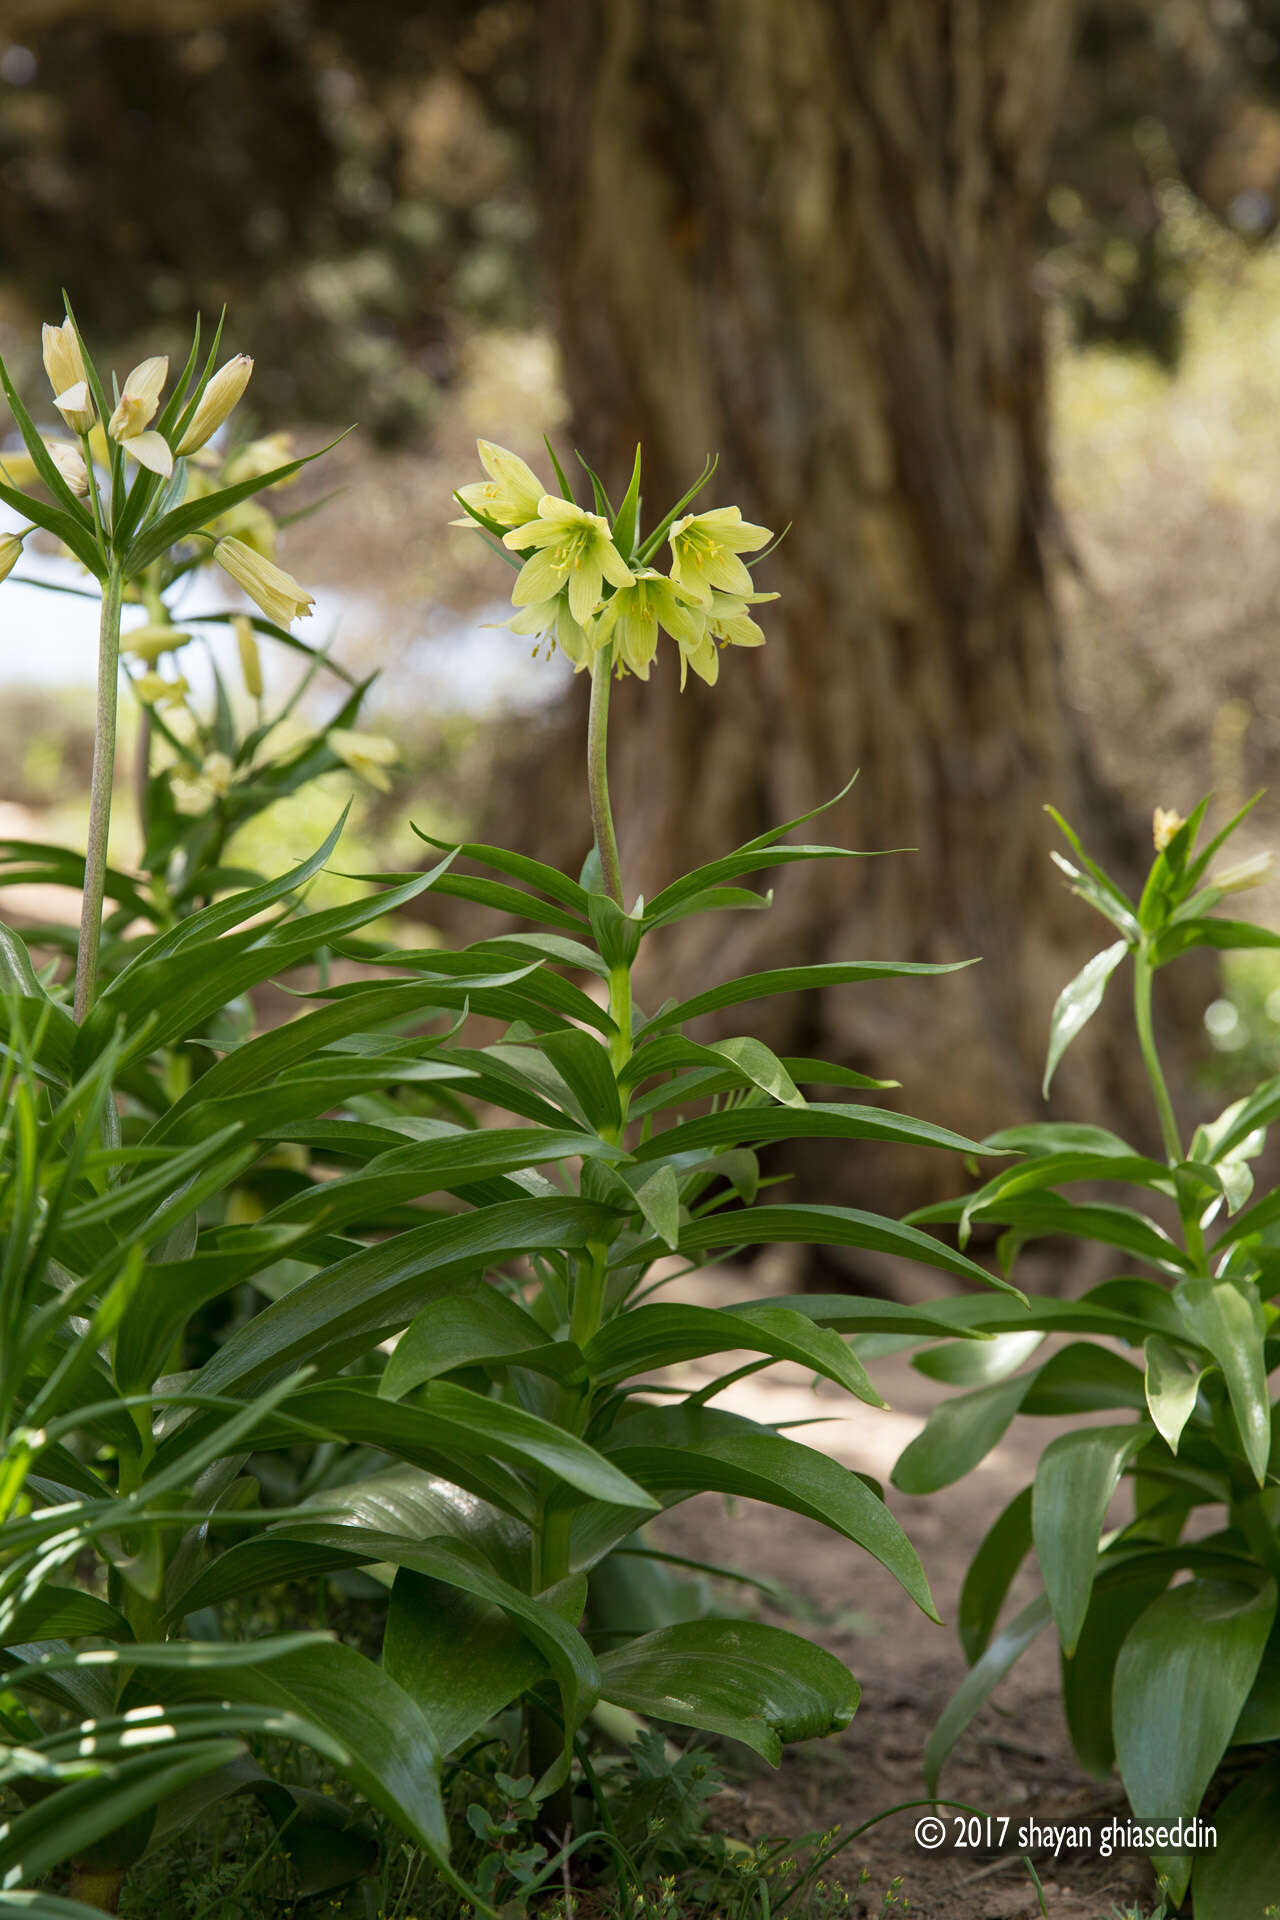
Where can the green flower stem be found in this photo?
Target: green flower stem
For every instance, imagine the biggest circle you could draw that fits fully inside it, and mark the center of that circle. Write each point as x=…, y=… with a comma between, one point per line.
x=598, y=773
x=104, y=754
x=1143, y=973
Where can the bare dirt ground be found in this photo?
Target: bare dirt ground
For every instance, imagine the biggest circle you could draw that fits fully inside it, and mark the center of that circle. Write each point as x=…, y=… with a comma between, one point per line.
x=1014, y=1760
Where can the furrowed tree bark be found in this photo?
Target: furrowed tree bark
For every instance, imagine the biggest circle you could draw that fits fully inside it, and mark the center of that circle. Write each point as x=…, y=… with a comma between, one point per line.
x=801, y=237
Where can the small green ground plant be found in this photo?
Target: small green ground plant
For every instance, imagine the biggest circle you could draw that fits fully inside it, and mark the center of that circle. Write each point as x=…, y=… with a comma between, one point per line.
x=1166, y=1618
x=445, y=1200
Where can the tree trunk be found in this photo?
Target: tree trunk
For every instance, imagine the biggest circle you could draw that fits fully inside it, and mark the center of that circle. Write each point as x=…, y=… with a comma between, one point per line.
x=801, y=236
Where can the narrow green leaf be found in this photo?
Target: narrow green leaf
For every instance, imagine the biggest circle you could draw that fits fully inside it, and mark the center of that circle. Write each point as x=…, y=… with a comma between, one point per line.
x=982, y=1680
x=1078, y=1002
x=1004, y=1547
x=1074, y=1484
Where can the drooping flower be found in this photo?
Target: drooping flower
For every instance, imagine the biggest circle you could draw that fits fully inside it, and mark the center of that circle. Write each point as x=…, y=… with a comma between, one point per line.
x=134, y=413
x=268, y=586
x=511, y=493
x=155, y=691
x=635, y=613
x=553, y=619
x=250, y=659
x=259, y=457
x=705, y=549
x=221, y=395
x=10, y=552
x=150, y=641
x=726, y=623
x=194, y=792
x=573, y=552
x=368, y=754
x=1165, y=822
x=70, y=463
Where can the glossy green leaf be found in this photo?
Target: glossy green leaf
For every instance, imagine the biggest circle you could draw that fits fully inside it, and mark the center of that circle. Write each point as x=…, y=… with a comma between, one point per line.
x=391, y=1755
x=978, y=1363
x=828, y=1121
x=460, y=1657
x=760, y=986
x=738, y=1678
x=830, y=1226
x=957, y=1435
x=1078, y=1002
x=1229, y=1322
x=991, y=1572
x=1074, y=1484
x=1181, y=936
x=1181, y=1679
x=477, y=1325
x=658, y=1199
x=684, y=1450
x=649, y=1337
x=1120, y=1594
x=1236, y=1879
x=349, y=1308
x=583, y=1062
x=1172, y=1383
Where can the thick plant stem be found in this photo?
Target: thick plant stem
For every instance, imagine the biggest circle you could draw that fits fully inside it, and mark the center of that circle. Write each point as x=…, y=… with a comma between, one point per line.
x=1142, y=977
x=598, y=773
x=104, y=755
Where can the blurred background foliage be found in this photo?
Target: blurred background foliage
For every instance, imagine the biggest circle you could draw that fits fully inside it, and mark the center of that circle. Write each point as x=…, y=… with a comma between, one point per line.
x=372, y=191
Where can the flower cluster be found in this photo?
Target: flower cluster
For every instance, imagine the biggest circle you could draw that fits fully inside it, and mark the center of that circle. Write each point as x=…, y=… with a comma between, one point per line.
x=109, y=513
x=586, y=581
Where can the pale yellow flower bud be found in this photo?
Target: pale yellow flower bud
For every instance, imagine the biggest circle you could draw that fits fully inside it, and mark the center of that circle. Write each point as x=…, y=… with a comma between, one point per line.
x=250, y=659
x=10, y=552
x=77, y=408
x=70, y=463
x=63, y=360
x=216, y=402
x=194, y=792
x=1243, y=873
x=268, y=586
x=136, y=410
x=150, y=641
x=259, y=457
x=368, y=754
x=1165, y=822
x=155, y=691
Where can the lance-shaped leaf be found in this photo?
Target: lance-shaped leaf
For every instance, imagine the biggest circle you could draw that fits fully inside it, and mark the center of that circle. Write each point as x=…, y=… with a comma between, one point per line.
x=738, y=1678
x=982, y=1680
x=1229, y=1322
x=1075, y=1480
x=1172, y=1383
x=1078, y=1002
x=682, y=1450
x=662, y=1335
x=1181, y=1679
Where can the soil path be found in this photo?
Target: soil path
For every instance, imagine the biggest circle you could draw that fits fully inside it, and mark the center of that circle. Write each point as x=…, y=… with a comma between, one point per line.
x=1015, y=1758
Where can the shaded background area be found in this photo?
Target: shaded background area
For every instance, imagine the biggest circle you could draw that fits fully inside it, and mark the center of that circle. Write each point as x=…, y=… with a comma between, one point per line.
x=984, y=299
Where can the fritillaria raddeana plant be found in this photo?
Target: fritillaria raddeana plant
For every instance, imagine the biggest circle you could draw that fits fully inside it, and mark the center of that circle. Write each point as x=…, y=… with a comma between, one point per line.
x=447, y=1255
x=119, y=494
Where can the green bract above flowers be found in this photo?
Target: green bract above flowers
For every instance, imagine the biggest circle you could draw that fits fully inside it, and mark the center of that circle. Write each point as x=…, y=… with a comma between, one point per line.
x=575, y=551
